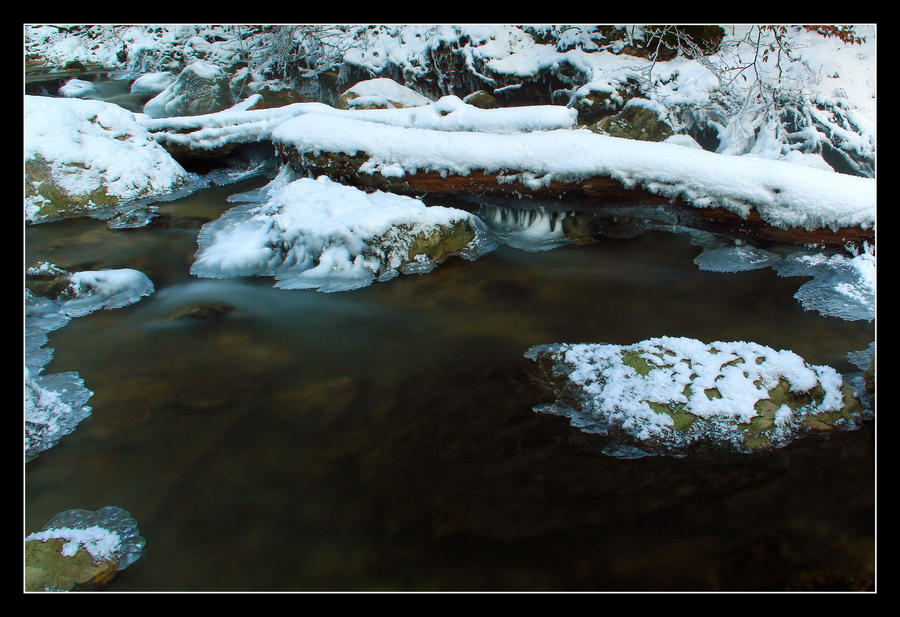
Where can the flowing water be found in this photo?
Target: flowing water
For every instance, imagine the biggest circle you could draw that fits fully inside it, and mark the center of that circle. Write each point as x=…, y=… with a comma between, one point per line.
x=384, y=438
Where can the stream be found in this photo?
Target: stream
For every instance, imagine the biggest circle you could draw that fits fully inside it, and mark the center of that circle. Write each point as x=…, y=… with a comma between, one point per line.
x=384, y=438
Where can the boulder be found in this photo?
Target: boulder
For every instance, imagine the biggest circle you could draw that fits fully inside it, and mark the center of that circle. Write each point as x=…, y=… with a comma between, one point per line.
x=47, y=569
x=201, y=88
x=635, y=122
x=482, y=99
x=82, y=155
x=673, y=395
x=79, y=89
x=80, y=550
x=152, y=83
x=381, y=93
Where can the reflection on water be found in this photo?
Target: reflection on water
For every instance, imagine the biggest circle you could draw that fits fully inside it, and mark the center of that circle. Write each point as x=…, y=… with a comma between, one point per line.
x=383, y=438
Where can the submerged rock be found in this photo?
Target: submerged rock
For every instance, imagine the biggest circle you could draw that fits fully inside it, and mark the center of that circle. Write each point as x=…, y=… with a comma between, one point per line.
x=81, y=550
x=672, y=395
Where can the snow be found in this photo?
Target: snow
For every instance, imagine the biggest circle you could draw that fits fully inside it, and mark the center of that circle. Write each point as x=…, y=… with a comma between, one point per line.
x=612, y=397
x=80, y=89
x=450, y=113
x=384, y=92
x=784, y=194
x=152, y=83
x=100, y=543
x=108, y=533
x=317, y=234
x=92, y=290
x=173, y=99
x=92, y=145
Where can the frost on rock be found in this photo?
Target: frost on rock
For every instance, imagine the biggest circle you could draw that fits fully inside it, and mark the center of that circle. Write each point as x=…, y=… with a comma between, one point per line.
x=672, y=395
x=83, y=155
x=318, y=234
x=56, y=403
x=81, y=549
x=842, y=286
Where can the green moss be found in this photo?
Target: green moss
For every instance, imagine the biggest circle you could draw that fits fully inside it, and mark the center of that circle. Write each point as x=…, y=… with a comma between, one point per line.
x=635, y=361
x=39, y=182
x=683, y=420
x=47, y=568
x=442, y=241
x=712, y=393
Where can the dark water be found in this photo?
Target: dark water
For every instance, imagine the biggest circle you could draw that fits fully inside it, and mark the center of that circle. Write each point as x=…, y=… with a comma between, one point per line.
x=383, y=439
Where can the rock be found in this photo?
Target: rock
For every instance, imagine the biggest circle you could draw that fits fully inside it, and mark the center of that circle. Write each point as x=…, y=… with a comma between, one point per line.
x=82, y=155
x=672, y=395
x=482, y=99
x=635, y=122
x=79, y=89
x=276, y=94
x=598, y=104
x=81, y=550
x=201, y=88
x=381, y=93
x=46, y=569
x=152, y=83
x=870, y=377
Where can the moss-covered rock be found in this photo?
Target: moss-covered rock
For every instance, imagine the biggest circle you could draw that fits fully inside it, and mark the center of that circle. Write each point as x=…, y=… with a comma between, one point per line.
x=672, y=395
x=47, y=569
x=482, y=99
x=277, y=94
x=634, y=122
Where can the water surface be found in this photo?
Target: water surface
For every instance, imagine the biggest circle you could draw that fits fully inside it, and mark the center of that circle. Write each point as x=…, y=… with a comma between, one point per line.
x=384, y=438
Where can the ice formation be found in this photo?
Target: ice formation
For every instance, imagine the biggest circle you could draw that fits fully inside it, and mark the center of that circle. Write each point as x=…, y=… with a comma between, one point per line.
x=318, y=234
x=667, y=395
x=108, y=533
x=528, y=229
x=842, y=286
x=56, y=403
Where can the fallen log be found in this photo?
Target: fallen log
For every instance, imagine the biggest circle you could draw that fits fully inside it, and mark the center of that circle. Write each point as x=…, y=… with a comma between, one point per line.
x=592, y=194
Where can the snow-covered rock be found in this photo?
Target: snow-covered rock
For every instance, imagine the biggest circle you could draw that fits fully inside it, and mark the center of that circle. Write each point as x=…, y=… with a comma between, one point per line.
x=79, y=89
x=79, y=549
x=81, y=155
x=671, y=395
x=317, y=234
x=201, y=88
x=152, y=83
x=381, y=93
